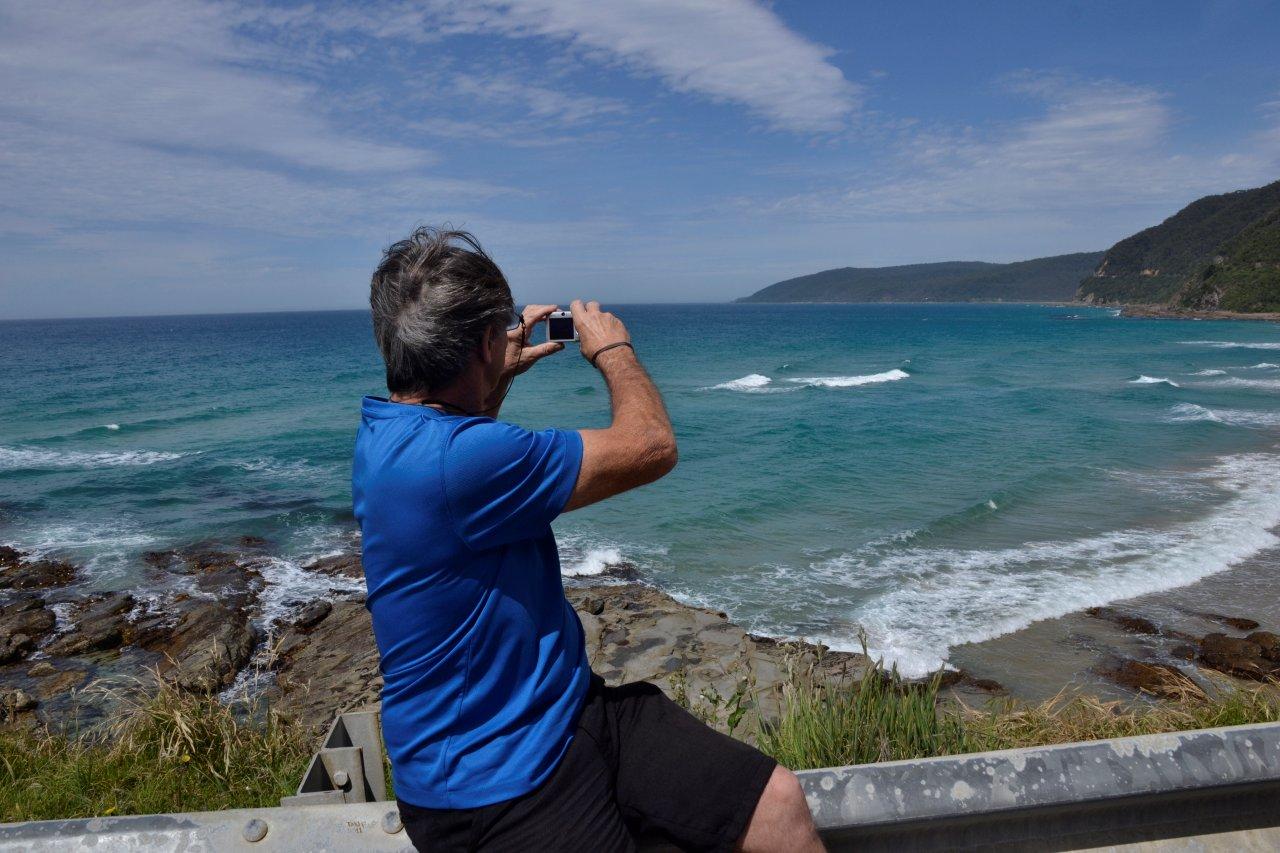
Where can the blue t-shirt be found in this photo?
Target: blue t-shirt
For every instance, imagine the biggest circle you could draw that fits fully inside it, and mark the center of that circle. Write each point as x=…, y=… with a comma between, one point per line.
x=483, y=662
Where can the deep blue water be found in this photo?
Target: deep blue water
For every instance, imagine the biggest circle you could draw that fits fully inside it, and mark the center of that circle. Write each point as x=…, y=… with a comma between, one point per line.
x=931, y=474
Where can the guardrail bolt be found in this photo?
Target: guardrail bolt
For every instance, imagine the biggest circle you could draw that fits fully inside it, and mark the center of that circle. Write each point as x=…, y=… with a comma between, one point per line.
x=391, y=822
x=341, y=779
x=254, y=830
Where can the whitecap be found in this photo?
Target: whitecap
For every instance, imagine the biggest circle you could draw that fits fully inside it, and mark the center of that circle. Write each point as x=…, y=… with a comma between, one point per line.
x=1210, y=372
x=1153, y=380
x=753, y=383
x=111, y=427
x=1234, y=344
x=1263, y=365
x=1192, y=412
x=20, y=458
x=1238, y=382
x=851, y=381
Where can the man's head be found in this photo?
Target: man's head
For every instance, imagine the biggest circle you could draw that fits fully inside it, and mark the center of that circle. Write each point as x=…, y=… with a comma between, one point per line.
x=437, y=300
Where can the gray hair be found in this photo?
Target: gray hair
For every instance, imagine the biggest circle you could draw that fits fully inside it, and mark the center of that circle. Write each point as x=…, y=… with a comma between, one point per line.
x=434, y=297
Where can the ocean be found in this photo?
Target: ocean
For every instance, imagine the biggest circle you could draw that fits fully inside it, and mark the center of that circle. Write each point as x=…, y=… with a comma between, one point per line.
x=923, y=476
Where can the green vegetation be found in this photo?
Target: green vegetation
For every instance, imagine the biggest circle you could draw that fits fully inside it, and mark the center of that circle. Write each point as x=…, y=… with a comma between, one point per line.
x=170, y=751
x=1041, y=280
x=1214, y=253
x=882, y=718
x=1244, y=274
x=164, y=751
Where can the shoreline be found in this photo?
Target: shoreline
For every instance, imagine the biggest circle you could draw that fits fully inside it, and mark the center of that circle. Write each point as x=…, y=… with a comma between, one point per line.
x=319, y=657
x=1164, y=312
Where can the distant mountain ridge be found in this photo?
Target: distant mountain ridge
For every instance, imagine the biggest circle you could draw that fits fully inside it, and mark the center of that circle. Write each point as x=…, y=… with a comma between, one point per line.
x=1052, y=279
x=1221, y=252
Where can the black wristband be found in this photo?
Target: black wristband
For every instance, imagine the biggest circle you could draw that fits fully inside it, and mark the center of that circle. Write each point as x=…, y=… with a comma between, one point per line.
x=607, y=347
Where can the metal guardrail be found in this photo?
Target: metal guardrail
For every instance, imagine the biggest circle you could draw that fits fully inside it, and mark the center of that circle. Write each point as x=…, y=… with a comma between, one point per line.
x=1206, y=789
x=348, y=768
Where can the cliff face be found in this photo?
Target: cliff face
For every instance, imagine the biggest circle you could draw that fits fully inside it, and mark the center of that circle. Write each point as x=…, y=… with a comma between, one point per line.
x=1221, y=252
x=1050, y=279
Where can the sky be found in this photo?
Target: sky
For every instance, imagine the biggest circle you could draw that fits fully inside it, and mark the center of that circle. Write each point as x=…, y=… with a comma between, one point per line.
x=184, y=156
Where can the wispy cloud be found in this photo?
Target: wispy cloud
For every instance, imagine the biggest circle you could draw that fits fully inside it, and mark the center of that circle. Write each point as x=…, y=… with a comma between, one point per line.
x=730, y=51
x=163, y=113
x=1093, y=144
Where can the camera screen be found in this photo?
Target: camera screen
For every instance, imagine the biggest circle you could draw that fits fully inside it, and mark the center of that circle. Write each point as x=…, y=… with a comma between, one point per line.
x=560, y=328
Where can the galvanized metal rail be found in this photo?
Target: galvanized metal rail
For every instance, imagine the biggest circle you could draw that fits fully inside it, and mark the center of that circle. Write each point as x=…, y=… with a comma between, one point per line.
x=1201, y=790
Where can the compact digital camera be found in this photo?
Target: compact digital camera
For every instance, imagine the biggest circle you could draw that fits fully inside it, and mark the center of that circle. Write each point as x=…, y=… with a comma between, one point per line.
x=560, y=327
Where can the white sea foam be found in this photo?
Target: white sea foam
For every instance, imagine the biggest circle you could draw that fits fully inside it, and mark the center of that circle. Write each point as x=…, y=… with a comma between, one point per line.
x=112, y=427
x=751, y=383
x=25, y=458
x=1153, y=380
x=293, y=469
x=584, y=554
x=1239, y=382
x=939, y=598
x=102, y=549
x=1210, y=372
x=1190, y=412
x=1234, y=344
x=852, y=381
x=286, y=582
x=1263, y=365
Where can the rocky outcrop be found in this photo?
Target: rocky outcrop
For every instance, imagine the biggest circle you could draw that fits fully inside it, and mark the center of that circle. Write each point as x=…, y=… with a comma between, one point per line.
x=208, y=646
x=19, y=573
x=1154, y=679
x=100, y=625
x=23, y=622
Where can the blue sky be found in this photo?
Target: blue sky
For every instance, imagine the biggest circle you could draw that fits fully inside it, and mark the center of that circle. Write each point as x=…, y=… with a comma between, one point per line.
x=179, y=156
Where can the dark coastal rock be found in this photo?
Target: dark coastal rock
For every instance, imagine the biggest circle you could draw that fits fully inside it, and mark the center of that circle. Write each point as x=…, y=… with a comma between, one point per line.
x=1268, y=642
x=332, y=670
x=1239, y=623
x=15, y=573
x=1234, y=656
x=312, y=614
x=342, y=565
x=14, y=703
x=1131, y=622
x=100, y=624
x=1154, y=679
x=208, y=646
x=951, y=679
x=23, y=622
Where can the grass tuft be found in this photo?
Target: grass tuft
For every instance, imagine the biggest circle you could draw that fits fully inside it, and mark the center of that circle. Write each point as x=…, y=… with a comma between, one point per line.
x=881, y=717
x=164, y=750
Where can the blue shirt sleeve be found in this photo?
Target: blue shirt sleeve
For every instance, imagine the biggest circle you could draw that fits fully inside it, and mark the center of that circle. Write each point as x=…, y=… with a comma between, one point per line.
x=503, y=483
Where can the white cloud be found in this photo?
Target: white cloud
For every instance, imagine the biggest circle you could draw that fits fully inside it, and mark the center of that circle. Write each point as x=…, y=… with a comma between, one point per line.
x=1093, y=145
x=729, y=51
x=161, y=113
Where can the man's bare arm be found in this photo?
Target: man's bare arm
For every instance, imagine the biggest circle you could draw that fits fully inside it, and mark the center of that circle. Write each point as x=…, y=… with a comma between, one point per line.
x=639, y=446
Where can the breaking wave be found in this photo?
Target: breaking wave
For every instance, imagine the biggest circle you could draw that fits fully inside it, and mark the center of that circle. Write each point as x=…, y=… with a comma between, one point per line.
x=1153, y=380
x=20, y=458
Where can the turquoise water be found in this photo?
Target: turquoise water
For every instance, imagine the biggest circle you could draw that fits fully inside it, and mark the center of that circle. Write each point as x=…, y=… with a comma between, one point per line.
x=931, y=474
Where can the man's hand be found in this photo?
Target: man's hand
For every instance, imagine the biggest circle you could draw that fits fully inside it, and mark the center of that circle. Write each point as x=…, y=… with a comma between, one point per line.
x=520, y=355
x=596, y=328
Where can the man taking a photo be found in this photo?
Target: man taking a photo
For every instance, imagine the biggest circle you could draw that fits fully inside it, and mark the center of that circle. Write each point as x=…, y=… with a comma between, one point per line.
x=500, y=736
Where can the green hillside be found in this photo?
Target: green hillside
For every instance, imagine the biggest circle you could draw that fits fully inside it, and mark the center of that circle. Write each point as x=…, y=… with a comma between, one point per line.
x=1244, y=274
x=1220, y=250
x=1051, y=279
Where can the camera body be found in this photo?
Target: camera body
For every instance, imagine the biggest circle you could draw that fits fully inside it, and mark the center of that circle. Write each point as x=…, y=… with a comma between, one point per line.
x=560, y=327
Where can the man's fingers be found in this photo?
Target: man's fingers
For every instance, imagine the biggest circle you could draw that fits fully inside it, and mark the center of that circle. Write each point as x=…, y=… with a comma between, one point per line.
x=534, y=353
x=537, y=313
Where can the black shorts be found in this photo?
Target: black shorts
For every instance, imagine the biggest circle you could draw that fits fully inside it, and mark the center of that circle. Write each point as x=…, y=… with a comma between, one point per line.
x=639, y=766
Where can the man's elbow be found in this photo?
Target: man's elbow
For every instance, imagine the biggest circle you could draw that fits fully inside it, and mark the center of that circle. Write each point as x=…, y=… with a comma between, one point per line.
x=662, y=456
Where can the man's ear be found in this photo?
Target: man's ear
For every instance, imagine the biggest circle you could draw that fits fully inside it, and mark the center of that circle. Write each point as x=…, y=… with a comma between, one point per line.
x=493, y=346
